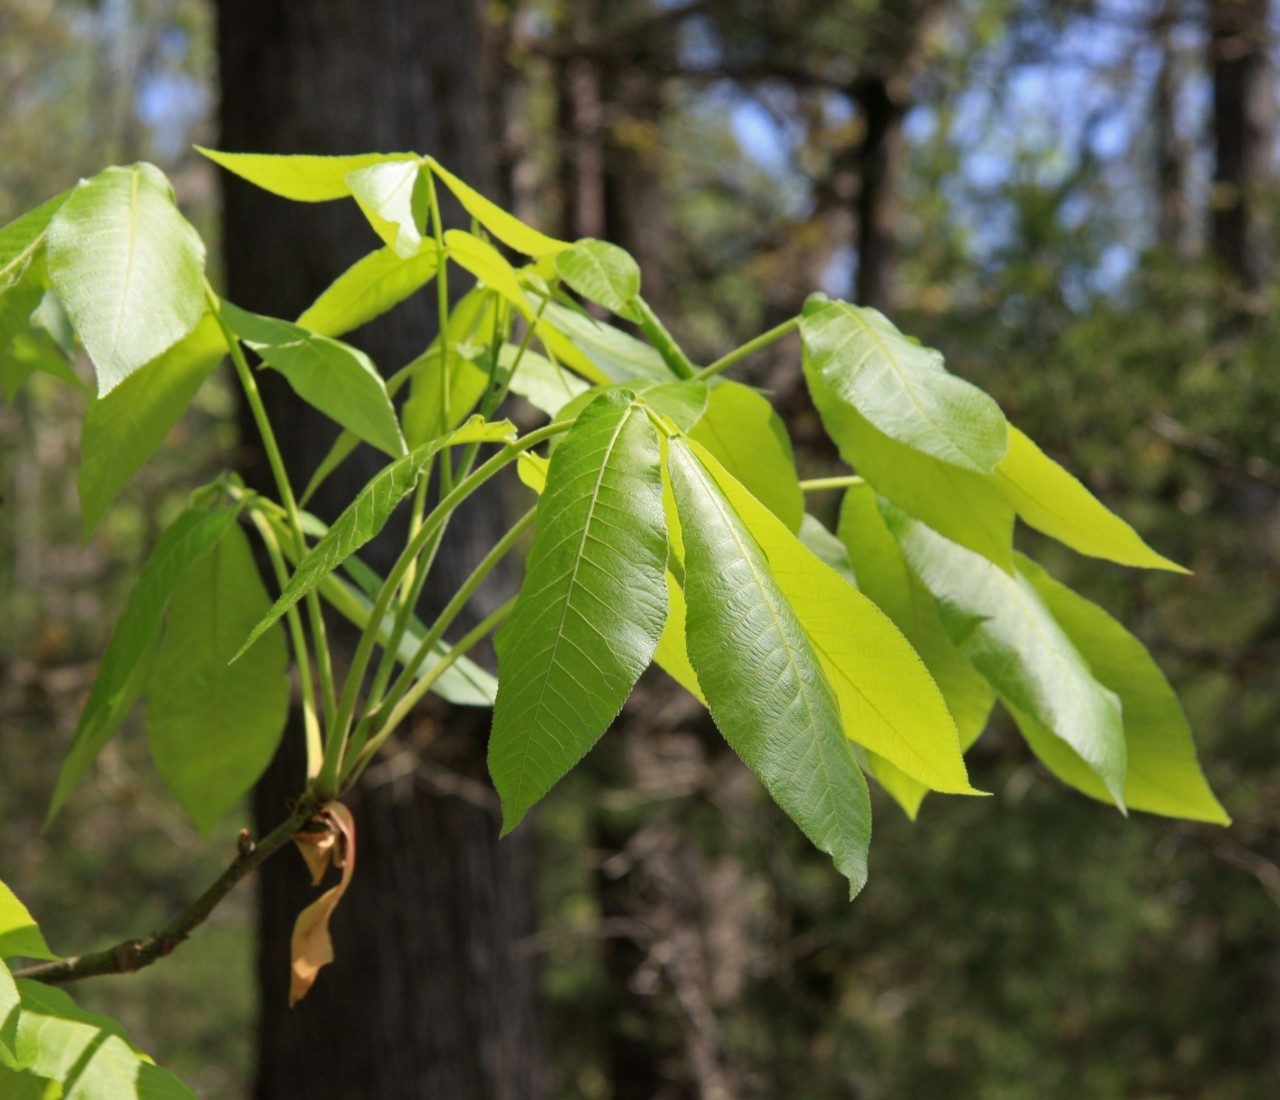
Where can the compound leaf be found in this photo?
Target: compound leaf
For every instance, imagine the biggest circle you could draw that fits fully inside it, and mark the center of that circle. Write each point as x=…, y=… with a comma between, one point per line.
x=301, y=178
x=367, y=289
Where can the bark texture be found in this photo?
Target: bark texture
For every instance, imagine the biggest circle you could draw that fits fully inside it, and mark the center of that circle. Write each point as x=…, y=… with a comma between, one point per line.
x=433, y=991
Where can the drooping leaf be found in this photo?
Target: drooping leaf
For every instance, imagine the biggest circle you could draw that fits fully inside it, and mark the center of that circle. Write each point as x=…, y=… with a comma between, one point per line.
x=367, y=289
x=393, y=198
x=761, y=677
x=489, y=265
x=614, y=356
x=212, y=726
x=602, y=273
x=1002, y=624
x=541, y=382
x=17, y=303
x=312, y=947
x=592, y=605
x=23, y=237
x=19, y=934
x=508, y=229
x=334, y=377
x=888, y=701
x=750, y=441
x=33, y=352
x=125, y=662
x=884, y=576
x=365, y=516
x=965, y=507
x=87, y=1052
x=123, y=429
x=1163, y=775
x=425, y=416
x=1052, y=501
x=128, y=268
x=902, y=388
x=301, y=178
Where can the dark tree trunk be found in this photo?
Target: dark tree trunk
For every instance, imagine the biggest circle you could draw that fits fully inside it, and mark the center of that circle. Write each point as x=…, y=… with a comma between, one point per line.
x=433, y=990
x=1172, y=150
x=881, y=162
x=1244, y=118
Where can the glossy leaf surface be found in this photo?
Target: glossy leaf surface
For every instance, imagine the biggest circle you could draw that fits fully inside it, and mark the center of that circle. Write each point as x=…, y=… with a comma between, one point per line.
x=902, y=388
x=602, y=273
x=592, y=605
x=389, y=195
x=213, y=726
x=301, y=178
x=128, y=268
x=761, y=677
x=122, y=430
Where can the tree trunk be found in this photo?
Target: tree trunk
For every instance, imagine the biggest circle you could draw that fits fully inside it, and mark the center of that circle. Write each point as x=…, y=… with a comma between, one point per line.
x=433, y=992
x=881, y=160
x=1244, y=118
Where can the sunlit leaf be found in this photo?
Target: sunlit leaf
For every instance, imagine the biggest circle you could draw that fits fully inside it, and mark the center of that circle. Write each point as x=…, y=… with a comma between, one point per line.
x=902, y=388
x=192, y=535
x=128, y=268
x=123, y=429
x=613, y=355
x=333, y=377
x=1002, y=624
x=1052, y=501
x=1163, y=775
x=19, y=935
x=761, y=677
x=367, y=289
x=592, y=605
x=393, y=198
x=602, y=273
x=489, y=265
x=425, y=416
x=508, y=229
x=301, y=178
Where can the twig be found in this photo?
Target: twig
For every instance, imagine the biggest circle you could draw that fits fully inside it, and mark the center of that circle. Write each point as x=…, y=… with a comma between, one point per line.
x=131, y=955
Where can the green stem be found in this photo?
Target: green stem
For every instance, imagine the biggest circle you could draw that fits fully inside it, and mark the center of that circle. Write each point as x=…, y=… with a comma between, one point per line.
x=442, y=310
x=663, y=342
x=419, y=689
x=749, y=348
x=845, y=481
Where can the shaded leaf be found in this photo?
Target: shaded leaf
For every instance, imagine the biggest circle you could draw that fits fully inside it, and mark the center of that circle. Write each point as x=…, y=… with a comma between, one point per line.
x=329, y=375
x=212, y=726
x=23, y=237
x=602, y=273
x=762, y=680
x=541, y=382
x=750, y=441
x=1051, y=500
x=19, y=935
x=425, y=418
x=1163, y=775
x=1002, y=624
x=124, y=664
x=123, y=429
x=508, y=229
x=301, y=178
x=965, y=507
x=367, y=289
x=902, y=388
x=312, y=947
x=592, y=605
x=87, y=1052
x=31, y=352
x=613, y=356
x=827, y=548
x=128, y=268
x=365, y=516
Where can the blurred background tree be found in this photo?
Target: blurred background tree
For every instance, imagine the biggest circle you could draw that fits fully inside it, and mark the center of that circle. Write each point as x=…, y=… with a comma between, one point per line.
x=1074, y=200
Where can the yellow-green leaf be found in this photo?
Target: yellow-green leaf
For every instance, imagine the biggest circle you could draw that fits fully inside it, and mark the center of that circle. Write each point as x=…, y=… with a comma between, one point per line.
x=301, y=178
x=508, y=229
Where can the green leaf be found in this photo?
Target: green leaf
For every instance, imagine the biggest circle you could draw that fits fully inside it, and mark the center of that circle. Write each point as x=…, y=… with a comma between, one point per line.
x=365, y=516
x=393, y=198
x=301, y=178
x=192, y=535
x=763, y=681
x=602, y=273
x=1163, y=775
x=684, y=403
x=123, y=429
x=367, y=289
x=672, y=656
x=508, y=229
x=749, y=439
x=334, y=377
x=884, y=576
x=86, y=1052
x=212, y=727
x=17, y=1085
x=541, y=382
x=31, y=352
x=424, y=413
x=902, y=388
x=128, y=268
x=19, y=935
x=1052, y=501
x=1002, y=624
x=489, y=265
x=827, y=548
x=18, y=302
x=965, y=507
x=592, y=605
x=888, y=701
x=23, y=237
x=8, y=1016
x=613, y=355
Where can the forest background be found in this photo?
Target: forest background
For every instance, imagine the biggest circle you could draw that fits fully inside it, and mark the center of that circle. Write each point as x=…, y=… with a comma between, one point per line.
x=1076, y=202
